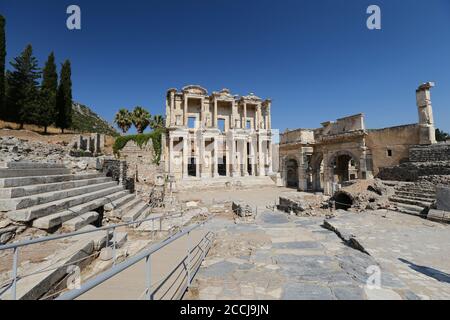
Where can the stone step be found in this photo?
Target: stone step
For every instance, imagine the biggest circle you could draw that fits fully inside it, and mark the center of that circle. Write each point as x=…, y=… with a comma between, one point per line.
x=27, y=181
x=31, y=213
x=16, y=173
x=126, y=207
x=417, y=190
x=145, y=213
x=134, y=213
x=415, y=202
x=424, y=196
x=35, y=200
x=119, y=202
x=24, y=191
x=410, y=209
x=33, y=165
x=80, y=221
x=56, y=219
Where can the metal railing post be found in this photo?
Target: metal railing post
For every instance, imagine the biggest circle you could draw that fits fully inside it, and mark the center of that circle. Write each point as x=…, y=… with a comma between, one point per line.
x=148, y=267
x=114, y=246
x=107, y=239
x=14, y=285
x=153, y=229
x=188, y=264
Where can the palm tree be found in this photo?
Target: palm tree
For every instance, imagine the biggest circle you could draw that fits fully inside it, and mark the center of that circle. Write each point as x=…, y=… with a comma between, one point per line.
x=141, y=119
x=123, y=120
x=157, y=122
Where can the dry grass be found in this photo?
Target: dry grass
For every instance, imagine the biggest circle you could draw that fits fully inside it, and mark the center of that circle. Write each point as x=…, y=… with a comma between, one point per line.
x=53, y=135
x=31, y=127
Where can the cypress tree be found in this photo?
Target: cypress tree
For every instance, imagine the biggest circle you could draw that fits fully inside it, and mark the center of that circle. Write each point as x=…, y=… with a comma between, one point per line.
x=2, y=68
x=64, y=98
x=49, y=89
x=23, y=92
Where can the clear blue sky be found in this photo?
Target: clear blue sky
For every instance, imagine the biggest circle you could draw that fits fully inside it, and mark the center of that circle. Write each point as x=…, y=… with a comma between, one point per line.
x=315, y=59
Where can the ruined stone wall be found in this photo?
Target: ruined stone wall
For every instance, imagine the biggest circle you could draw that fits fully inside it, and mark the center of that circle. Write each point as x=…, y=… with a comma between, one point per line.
x=436, y=152
x=297, y=136
x=396, y=139
x=139, y=160
x=347, y=124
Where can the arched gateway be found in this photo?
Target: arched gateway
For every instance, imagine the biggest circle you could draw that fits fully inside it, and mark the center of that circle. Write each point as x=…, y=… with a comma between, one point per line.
x=292, y=173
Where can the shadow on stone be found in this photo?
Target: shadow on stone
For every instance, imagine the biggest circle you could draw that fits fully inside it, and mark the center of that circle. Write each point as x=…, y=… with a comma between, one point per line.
x=430, y=272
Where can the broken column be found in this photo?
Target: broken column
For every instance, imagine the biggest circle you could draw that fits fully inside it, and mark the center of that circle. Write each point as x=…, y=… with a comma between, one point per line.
x=426, y=121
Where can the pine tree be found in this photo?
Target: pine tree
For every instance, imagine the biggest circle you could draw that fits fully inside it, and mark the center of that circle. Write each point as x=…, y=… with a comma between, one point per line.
x=64, y=98
x=23, y=91
x=2, y=68
x=49, y=88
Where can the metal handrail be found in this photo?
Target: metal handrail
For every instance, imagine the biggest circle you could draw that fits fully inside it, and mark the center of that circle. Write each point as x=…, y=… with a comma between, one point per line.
x=76, y=233
x=15, y=246
x=92, y=283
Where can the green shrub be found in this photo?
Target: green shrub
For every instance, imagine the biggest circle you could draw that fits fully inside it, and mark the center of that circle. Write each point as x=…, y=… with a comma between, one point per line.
x=141, y=140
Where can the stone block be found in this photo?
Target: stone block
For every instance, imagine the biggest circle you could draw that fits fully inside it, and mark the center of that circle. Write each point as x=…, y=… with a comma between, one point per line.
x=443, y=198
x=439, y=216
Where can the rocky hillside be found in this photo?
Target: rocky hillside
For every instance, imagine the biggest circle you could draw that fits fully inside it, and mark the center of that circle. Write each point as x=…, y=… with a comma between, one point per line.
x=85, y=120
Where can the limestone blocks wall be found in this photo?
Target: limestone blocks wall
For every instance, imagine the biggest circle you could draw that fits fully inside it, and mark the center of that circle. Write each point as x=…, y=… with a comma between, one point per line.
x=436, y=152
x=139, y=161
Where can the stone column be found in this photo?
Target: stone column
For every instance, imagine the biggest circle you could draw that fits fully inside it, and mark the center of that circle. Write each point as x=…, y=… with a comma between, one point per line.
x=260, y=158
x=216, y=159
x=233, y=111
x=168, y=111
x=185, y=106
x=233, y=158
x=270, y=157
x=269, y=117
x=202, y=114
x=200, y=164
x=244, y=123
x=186, y=153
x=172, y=108
x=245, y=156
x=253, y=153
x=258, y=116
x=170, y=160
x=302, y=172
x=328, y=178
x=228, y=162
x=215, y=113
x=426, y=121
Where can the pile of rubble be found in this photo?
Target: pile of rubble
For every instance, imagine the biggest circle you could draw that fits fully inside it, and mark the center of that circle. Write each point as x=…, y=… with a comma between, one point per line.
x=302, y=204
x=364, y=195
x=242, y=209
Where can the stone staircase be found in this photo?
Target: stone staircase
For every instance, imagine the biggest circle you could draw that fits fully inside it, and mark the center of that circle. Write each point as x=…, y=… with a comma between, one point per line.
x=47, y=196
x=413, y=198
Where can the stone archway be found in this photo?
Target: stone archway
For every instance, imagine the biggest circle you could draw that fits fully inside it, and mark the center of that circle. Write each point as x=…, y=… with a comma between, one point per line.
x=291, y=173
x=345, y=166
